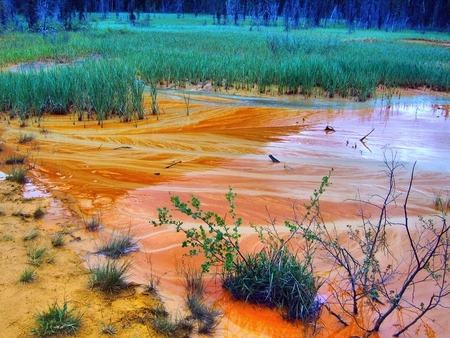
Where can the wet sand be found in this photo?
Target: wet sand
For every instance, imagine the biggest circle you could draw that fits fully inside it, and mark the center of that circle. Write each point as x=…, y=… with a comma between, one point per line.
x=126, y=170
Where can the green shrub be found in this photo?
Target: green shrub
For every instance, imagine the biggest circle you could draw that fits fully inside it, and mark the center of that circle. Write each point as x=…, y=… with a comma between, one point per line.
x=57, y=321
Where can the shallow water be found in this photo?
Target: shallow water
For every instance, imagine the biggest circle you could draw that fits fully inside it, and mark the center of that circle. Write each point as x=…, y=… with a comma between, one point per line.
x=126, y=171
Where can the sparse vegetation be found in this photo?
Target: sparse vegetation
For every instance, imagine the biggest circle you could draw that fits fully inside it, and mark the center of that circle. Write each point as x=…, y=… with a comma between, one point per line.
x=58, y=239
x=38, y=213
x=17, y=174
x=109, y=276
x=94, y=223
x=118, y=244
x=25, y=138
x=169, y=326
x=36, y=255
x=6, y=238
x=15, y=159
x=57, y=320
x=27, y=275
x=31, y=235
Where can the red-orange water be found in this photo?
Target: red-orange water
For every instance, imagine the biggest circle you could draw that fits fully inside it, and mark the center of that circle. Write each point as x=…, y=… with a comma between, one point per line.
x=126, y=171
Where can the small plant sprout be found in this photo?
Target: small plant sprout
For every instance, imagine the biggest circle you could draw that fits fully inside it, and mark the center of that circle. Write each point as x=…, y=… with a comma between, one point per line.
x=25, y=138
x=58, y=239
x=27, y=275
x=31, y=235
x=36, y=255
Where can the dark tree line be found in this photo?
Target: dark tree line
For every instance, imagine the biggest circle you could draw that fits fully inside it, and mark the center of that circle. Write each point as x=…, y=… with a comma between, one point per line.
x=381, y=14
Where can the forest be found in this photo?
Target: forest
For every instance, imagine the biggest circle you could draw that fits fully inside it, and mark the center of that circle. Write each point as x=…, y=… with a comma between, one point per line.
x=389, y=15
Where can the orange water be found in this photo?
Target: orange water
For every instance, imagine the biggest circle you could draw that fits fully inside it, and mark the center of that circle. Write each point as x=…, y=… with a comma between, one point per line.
x=125, y=171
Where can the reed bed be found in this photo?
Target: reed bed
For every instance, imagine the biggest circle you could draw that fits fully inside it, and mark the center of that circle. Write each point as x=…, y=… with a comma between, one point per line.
x=102, y=72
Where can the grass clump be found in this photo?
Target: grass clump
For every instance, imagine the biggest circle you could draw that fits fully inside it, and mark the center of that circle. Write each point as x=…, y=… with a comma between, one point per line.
x=38, y=213
x=172, y=327
x=206, y=316
x=25, y=138
x=58, y=239
x=294, y=292
x=110, y=276
x=27, y=275
x=18, y=175
x=15, y=159
x=36, y=255
x=117, y=245
x=93, y=224
x=31, y=235
x=57, y=320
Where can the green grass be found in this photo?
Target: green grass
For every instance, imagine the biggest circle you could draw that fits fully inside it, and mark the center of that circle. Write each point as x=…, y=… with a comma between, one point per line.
x=58, y=239
x=38, y=213
x=15, y=159
x=110, y=276
x=17, y=174
x=93, y=224
x=27, y=275
x=36, y=255
x=25, y=138
x=58, y=321
x=116, y=65
x=275, y=278
x=118, y=244
x=31, y=235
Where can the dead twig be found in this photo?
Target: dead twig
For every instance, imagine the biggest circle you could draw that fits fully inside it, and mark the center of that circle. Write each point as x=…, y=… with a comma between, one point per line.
x=363, y=138
x=171, y=165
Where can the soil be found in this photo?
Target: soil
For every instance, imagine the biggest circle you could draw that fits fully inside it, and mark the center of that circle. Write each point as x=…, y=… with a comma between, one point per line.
x=124, y=171
x=61, y=277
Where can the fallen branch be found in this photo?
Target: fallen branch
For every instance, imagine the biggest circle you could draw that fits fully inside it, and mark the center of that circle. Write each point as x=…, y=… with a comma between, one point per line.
x=338, y=316
x=171, y=165
x=362, y=139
